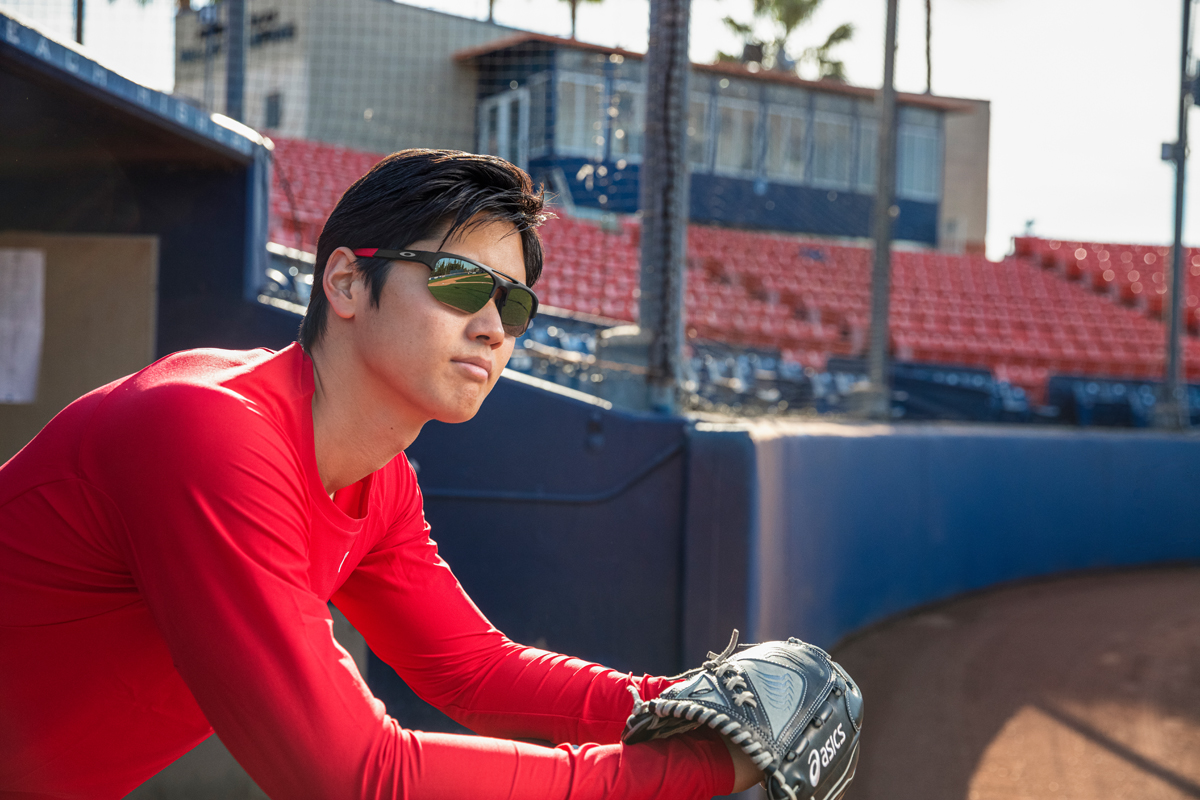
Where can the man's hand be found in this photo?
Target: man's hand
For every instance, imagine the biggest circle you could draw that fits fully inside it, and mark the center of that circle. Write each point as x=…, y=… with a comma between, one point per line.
x=745, y=774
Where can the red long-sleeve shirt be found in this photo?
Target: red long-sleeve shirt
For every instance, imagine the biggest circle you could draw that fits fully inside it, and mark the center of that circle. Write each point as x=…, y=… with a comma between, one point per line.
x=167, y=551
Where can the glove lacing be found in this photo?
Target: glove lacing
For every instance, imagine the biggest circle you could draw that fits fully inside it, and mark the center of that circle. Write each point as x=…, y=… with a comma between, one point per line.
x=730, y=675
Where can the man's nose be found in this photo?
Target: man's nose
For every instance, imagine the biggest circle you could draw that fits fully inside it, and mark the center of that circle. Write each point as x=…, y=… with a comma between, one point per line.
x=486, y=324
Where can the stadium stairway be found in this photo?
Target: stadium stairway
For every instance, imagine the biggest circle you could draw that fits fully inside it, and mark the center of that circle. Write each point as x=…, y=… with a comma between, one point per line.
x=1053, y=308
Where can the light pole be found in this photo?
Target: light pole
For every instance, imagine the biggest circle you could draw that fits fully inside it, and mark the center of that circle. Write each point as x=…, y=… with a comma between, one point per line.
x=877, y=401
x=1173, y=409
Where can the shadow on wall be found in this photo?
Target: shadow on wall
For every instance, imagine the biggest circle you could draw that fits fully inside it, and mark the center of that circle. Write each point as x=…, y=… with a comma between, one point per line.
x=1080, y=687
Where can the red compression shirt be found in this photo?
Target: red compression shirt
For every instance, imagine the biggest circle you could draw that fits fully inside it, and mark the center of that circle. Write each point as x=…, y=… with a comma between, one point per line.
x=166, y=554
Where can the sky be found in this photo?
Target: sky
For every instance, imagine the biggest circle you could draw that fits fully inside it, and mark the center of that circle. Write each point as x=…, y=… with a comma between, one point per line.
x=1083, y=92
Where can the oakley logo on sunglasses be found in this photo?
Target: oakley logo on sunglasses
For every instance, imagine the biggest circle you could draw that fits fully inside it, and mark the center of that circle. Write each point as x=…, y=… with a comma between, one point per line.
x=468, y=285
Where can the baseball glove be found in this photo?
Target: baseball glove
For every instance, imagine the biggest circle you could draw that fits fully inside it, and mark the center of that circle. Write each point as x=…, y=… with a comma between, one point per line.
x=792, y=709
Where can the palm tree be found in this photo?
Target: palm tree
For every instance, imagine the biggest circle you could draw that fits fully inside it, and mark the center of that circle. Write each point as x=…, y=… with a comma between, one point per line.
x=786, y=16
x=574, y=8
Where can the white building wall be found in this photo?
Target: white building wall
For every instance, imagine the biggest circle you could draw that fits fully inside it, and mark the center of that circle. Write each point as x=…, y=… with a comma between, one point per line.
x=962, y=226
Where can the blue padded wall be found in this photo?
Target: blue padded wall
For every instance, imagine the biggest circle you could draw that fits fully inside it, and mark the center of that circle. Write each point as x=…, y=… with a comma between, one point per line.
x=860, y=523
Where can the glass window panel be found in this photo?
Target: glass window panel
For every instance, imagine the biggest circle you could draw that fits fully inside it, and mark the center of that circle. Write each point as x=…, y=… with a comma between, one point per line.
x=513, y=151
x=274, y=110
x=537, y=114
x=868, y=154
x=921, y=117
x=697, y=132
x=735, y=137
x=580, y=128
x=919, y=167
x=492, y=130
x=786, y=144
x=568, y=126
x=593, y=96
x=832, y=140
x=627, y=111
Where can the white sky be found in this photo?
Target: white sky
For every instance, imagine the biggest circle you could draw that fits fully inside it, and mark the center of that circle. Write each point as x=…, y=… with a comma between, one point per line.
x=1083, y=92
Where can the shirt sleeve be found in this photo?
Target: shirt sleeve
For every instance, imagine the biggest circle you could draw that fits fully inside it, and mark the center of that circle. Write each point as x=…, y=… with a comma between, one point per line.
x=215, y=510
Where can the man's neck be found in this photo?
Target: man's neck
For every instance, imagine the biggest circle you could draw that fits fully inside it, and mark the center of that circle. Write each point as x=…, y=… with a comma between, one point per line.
x=355, y=430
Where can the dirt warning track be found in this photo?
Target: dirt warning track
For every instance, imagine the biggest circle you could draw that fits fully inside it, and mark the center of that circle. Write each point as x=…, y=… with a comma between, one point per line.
x=1085, y=687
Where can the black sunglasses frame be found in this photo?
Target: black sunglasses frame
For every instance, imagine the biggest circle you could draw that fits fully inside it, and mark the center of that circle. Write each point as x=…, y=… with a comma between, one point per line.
x=501, y=283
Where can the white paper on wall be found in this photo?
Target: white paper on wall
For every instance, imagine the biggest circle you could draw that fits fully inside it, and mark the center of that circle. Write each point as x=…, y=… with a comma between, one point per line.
x=22, y=322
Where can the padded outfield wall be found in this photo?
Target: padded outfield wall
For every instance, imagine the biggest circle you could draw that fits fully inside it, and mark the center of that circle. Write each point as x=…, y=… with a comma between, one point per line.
x=859, y=523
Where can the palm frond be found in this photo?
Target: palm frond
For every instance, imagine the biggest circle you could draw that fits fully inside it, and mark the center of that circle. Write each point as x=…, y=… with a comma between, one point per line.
x=841, y=33
x=740, y=28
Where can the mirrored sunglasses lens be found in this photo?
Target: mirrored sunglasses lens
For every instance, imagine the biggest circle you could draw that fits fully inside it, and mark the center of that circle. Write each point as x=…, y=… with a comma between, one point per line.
x=460, y=284
x=518, y=307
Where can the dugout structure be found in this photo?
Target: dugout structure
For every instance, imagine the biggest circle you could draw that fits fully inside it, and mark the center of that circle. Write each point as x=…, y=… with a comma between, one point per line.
x=84, y=150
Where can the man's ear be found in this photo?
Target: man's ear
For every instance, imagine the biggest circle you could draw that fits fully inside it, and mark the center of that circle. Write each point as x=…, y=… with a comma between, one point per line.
x=338, y=282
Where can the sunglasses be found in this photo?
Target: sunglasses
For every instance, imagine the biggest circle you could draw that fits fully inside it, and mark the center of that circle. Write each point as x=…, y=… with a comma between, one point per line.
x=468, y=285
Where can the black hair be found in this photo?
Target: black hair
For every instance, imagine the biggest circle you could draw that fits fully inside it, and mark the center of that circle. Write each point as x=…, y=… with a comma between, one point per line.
x=416, y=194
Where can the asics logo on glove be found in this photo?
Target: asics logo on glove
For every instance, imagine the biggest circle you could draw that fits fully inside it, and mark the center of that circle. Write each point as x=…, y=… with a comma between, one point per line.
x=820, y=757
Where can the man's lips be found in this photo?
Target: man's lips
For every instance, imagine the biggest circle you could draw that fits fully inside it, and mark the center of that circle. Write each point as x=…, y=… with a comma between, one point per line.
x=477, y=363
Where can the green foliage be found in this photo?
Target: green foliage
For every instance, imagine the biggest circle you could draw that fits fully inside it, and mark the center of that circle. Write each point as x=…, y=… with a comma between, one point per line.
x=784, y=17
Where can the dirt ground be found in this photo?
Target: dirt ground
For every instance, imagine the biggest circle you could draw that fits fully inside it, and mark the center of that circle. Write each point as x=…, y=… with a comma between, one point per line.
x=1085, y=687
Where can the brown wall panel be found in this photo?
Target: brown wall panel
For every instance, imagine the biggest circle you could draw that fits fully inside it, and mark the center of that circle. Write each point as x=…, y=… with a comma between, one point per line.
x=100, y=312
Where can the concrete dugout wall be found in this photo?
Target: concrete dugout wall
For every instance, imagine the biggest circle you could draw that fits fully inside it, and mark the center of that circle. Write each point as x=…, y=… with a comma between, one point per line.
x=858, y=523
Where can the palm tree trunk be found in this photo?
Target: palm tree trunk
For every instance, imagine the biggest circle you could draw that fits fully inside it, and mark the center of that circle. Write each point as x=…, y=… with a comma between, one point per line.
x=491, y=10
x=574, y=6
x=928, y=47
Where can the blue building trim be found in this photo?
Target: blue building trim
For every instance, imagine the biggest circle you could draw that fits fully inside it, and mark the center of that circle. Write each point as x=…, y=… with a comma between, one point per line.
x=743, y=203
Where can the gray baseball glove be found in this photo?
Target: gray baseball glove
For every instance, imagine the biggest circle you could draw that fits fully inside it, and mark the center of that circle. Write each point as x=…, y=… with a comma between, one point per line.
x=792, y=709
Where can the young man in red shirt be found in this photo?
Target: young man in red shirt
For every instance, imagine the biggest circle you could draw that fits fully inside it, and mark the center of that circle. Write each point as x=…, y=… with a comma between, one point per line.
x=169, y=542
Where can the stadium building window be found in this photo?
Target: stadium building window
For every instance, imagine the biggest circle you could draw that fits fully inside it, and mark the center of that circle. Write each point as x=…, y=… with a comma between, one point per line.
x=579, y=114
x=832, y=140
x=627, y=120
x=698, y=132
x=736, y=127
x=504, y=126
x=537, y=113
x=787, y=142
x=868, y=154
x=918, y=155
x=274, y=111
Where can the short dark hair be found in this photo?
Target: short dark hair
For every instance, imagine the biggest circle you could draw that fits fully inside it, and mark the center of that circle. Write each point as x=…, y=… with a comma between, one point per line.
x=415, y=194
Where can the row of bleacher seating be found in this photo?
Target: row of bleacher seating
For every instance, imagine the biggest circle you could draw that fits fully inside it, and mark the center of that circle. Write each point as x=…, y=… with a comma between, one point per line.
x=811, y=299
x=1131, y=274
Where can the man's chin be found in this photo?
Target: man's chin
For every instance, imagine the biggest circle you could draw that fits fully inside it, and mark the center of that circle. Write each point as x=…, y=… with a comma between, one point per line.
x=465, y=414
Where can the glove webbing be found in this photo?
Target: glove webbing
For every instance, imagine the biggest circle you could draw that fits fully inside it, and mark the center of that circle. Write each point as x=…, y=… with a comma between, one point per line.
x=719, y=722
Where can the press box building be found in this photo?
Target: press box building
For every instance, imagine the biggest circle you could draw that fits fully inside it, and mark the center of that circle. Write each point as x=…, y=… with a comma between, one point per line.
x=767, y=149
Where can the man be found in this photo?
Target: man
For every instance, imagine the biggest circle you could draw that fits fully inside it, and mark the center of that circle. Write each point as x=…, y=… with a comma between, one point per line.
x=169, y=542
